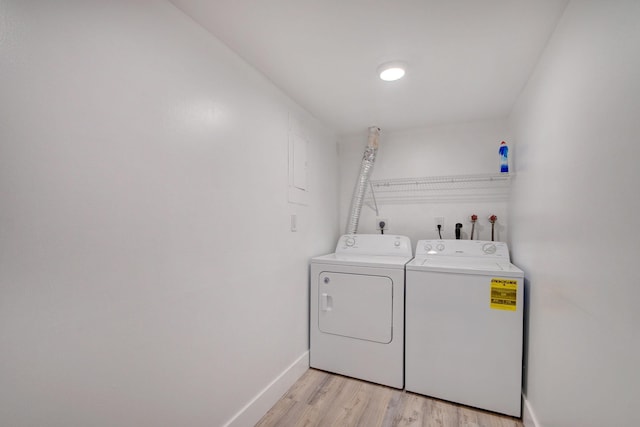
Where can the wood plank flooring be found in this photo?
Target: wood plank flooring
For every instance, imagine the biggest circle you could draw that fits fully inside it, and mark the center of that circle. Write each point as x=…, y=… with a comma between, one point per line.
x=321, y=399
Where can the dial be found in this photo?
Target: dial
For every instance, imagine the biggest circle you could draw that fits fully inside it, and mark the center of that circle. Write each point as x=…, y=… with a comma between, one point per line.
x=440, y=247
x=427, y=247
x=489, y=248
x=397, y=243
x=350, y=241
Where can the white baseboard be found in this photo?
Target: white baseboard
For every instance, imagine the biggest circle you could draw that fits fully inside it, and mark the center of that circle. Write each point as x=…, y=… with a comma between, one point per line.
x=251, y=413
x=528, y=417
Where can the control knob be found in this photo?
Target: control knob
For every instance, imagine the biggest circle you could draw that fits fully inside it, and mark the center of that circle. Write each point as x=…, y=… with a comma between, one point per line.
x=489, y=248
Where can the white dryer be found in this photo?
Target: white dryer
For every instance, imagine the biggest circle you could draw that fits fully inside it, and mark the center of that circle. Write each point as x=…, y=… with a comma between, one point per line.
x=357, y=308
x=464, y=324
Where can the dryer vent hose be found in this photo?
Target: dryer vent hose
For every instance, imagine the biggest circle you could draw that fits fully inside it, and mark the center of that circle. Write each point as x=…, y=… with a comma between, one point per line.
x=366, y=166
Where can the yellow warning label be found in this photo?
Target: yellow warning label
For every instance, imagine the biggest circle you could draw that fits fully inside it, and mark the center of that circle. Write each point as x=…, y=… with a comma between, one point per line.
x=504, y=294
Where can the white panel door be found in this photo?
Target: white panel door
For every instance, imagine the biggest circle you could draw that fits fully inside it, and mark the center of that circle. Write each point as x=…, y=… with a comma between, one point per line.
x=356, y=306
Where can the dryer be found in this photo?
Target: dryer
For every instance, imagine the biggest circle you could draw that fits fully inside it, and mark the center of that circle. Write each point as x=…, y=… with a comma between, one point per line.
x=357, y=308
x=464, y=324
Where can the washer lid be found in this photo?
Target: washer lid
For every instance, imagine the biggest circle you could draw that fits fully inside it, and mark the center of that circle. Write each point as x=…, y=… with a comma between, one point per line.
x=464, y=266
x=363, y=260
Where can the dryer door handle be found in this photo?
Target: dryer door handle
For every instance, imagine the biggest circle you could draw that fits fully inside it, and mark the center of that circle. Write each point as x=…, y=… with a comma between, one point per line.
x=326, y=302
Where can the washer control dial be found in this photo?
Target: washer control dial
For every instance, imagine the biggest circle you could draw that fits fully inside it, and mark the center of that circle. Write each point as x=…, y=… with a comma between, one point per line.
x=350, y=241
x=428, y=247
x=440, y=247
x=489, y=248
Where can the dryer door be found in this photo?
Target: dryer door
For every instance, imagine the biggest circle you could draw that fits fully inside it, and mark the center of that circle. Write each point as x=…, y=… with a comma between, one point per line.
x=356, y=306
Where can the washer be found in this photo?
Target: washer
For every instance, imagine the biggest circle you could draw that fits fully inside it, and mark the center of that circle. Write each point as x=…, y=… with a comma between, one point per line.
x=357, y=308
x=464, y=324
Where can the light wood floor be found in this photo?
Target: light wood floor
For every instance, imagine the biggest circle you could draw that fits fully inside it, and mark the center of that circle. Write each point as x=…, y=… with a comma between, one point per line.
x=322, y=399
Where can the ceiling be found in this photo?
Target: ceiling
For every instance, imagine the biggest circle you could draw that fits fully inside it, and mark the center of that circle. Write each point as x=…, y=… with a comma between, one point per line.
x=467, y=59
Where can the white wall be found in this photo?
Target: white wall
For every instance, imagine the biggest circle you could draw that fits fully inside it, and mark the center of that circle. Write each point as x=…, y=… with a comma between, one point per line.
x=453, y=149
x=574, y=218
x=147, y=272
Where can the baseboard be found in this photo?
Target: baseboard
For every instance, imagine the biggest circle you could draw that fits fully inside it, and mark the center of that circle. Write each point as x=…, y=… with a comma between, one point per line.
x=263, y=401
x=528, y=417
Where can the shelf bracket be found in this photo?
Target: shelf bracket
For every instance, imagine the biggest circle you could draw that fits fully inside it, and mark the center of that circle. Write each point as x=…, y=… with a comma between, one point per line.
x=373, y=197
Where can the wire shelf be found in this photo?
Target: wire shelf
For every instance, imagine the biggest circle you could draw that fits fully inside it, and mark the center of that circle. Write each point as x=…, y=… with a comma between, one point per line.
x=488, y=187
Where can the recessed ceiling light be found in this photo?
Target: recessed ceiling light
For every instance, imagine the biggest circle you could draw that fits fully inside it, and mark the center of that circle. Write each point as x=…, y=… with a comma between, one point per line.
x=391, y=71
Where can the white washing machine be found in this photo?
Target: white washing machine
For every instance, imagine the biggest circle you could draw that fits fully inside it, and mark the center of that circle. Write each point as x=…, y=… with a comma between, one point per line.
x=464, y=324
x=357, y=308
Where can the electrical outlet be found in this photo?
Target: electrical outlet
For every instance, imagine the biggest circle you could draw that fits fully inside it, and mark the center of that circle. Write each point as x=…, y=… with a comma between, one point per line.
x=439, y=220
x=385, y=227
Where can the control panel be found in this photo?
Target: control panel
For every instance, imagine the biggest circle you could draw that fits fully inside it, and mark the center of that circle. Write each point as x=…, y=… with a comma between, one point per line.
x=463, y=248
x=374, y=244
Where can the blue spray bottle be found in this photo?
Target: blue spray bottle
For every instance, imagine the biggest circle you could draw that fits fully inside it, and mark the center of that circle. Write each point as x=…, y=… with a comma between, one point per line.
x=503, y=151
